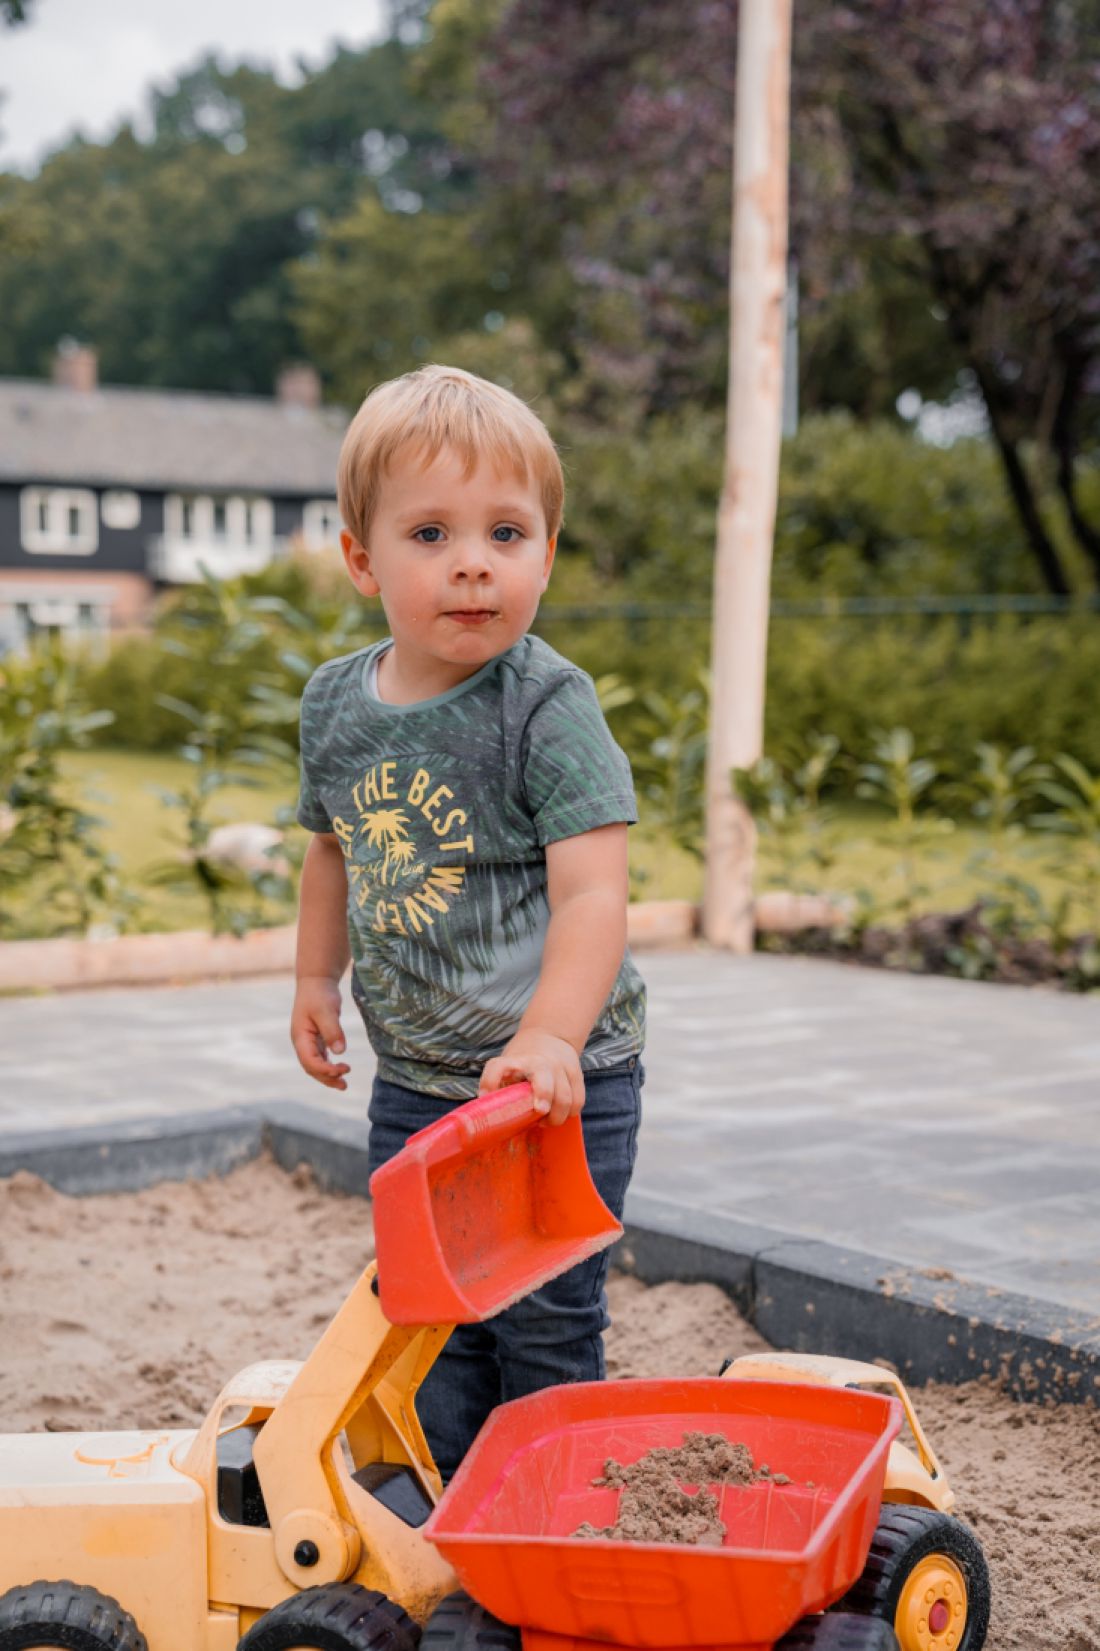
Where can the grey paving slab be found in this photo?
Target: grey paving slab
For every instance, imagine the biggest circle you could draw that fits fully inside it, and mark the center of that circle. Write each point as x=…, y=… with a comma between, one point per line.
x=941, y=1124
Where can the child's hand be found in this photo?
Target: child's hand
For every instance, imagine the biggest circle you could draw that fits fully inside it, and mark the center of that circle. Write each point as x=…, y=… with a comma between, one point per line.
x=315, y=1029
x=550, y=1065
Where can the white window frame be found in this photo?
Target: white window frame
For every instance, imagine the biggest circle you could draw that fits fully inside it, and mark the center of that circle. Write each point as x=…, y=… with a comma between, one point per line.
x=249, y=519
x=120, y=509
x=55, y=539
x=316, y=515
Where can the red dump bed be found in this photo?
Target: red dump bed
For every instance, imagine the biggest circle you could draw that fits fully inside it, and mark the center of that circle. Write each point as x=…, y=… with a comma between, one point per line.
x=505, y=1522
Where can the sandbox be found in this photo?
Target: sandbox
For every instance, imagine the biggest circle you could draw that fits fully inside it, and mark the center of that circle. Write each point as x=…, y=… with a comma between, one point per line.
x=132, y=1308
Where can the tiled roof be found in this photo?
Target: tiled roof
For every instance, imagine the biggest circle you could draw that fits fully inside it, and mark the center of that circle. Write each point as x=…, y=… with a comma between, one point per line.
x=160, y=439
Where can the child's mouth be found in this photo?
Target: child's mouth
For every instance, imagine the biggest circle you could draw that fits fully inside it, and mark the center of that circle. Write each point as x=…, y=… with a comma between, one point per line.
x=472, y=616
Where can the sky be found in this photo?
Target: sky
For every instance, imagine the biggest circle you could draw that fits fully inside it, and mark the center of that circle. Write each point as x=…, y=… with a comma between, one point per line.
x=82, y=65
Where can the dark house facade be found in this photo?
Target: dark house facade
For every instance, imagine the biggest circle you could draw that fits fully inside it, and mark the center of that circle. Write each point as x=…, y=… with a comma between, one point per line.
x=109, y=495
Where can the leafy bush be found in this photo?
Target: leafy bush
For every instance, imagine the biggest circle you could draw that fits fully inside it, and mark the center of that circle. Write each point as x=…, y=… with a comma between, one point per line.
x=1019, y=927
x=54, y=878
x=868, y=510
x=1011, y=682
x=295, y=616
x=863, y=510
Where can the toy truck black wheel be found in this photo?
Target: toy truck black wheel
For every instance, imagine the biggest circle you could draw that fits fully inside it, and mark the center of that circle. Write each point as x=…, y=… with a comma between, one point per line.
x=839, y=1631
x=64, y=1614
x=459, y=1623
x=926, y=1575
x=337, y=1616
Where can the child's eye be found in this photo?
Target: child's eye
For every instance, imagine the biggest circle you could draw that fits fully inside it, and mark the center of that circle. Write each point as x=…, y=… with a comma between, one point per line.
x=420, y=530
x=509, y=530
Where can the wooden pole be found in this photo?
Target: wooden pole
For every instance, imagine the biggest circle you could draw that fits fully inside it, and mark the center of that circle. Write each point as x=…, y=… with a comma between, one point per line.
x=746, y=512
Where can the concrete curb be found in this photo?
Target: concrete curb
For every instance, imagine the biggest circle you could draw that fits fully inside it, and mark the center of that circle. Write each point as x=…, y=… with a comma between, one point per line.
x=190, y=955
x=335, y=1148
x=126, y=1156
x=143, y=959
x=193, y=955
x=801, y=1294
x=810, y=1296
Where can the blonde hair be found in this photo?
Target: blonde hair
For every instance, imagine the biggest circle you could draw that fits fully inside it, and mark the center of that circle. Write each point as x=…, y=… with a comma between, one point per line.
x=436, y=407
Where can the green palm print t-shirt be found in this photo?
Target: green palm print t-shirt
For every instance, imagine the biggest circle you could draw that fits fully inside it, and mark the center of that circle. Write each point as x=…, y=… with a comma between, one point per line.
x=443, y=810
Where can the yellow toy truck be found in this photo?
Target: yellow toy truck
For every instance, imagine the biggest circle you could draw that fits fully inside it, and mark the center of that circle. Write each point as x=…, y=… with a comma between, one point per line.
x=300, y=1476
x=292, y=1517
x=926, y=1573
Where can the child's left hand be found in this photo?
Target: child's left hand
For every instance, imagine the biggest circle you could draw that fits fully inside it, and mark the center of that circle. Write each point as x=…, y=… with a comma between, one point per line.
x=550, y=1065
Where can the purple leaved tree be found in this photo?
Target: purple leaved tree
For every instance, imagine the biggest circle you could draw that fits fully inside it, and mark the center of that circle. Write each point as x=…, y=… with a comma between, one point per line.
x=972, y=132
x=957, y=141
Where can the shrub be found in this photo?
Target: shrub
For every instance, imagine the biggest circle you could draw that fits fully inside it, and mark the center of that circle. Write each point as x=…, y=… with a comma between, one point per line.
x=1011, y=682
x=54, y=878
x=863, y=510
x=869, y=510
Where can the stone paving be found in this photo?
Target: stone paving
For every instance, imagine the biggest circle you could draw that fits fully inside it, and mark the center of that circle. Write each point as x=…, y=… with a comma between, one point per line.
x=933, y=1122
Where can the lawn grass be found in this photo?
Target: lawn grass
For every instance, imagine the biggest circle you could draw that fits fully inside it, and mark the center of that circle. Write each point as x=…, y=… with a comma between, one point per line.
x=120, y=787
x=861, y=854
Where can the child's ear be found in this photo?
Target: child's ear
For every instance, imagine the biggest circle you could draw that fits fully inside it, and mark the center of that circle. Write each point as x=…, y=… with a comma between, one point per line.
x=357, y=562
x=551, y=547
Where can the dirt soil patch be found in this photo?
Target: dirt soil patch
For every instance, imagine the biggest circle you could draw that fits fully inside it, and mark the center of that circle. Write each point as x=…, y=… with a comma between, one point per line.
x=969, y=944
x=132, y=1310
x=655, y=1507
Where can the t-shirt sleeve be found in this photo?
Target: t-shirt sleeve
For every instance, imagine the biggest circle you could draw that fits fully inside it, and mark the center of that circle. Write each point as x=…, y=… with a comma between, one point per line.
x=575, y=777
x=311, y=811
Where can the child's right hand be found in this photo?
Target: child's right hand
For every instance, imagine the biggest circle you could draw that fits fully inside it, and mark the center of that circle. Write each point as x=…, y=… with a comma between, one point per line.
x=315, y=1029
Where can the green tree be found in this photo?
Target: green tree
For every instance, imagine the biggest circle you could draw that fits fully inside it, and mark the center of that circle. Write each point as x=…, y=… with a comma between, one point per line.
x=385, y=289
x=173, y=256
x=972, y=139
x=945, y=206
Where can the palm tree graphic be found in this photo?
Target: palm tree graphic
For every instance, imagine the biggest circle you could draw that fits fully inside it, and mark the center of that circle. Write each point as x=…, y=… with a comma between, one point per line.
x=385, y=827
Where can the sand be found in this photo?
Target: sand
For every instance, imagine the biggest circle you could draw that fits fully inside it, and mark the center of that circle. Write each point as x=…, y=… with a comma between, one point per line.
x=132, y=1310
x=653, y=1504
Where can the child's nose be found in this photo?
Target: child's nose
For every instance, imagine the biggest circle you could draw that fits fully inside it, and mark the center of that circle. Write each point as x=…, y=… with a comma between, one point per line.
x=471, y=560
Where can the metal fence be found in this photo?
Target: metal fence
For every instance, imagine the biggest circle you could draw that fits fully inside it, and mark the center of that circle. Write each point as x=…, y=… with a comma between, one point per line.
x=837, y=607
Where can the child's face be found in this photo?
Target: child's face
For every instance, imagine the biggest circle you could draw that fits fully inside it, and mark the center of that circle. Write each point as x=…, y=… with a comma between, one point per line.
x=459, y=563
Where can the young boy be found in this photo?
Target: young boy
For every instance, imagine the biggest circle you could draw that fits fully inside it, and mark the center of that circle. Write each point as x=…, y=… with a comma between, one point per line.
x=469, y=810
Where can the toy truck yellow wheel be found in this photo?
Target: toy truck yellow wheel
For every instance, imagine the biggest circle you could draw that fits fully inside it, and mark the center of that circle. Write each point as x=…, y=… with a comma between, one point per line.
x=63, y=1616
x=926, y=1575
x=338, y=1616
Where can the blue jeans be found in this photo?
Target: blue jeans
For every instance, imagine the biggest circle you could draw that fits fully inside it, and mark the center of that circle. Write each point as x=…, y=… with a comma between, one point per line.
x=556, y=1333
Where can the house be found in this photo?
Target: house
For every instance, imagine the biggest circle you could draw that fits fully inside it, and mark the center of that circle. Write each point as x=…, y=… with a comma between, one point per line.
x=109, y=495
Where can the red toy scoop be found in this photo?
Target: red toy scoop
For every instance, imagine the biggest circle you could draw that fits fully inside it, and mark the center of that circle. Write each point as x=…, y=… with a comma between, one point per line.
x=481, y=1208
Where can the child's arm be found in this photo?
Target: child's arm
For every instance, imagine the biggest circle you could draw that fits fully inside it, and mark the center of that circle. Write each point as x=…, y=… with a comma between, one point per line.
x=323, y=955
x=588, y=890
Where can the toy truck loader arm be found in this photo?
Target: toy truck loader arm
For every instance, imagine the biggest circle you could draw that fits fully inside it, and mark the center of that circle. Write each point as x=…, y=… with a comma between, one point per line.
x=330, y=1441
x=464, y=1222
x=331, y=1457
x=913, y=1477
x=339, y=1389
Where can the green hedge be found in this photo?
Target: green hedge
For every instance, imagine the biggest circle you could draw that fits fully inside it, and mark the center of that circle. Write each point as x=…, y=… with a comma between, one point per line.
x=864, y=510
x=1010, y=681
x=1017, y=682
x=1013, y=682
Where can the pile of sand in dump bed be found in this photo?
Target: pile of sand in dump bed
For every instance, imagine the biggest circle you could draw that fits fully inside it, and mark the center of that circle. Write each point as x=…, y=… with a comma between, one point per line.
x=132, y=1310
